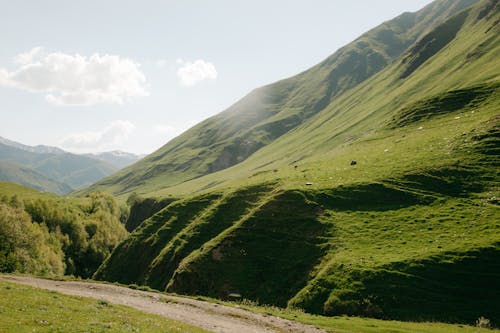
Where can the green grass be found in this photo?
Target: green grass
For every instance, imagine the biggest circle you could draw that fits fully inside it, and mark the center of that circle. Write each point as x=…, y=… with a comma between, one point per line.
x=209, y=224
x=153, y=233
x=351, y=324
x=346, y=324
x=265, y=256
x=27, y=309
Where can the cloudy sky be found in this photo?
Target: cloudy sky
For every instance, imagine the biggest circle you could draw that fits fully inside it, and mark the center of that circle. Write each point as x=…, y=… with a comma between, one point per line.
x=98, y=75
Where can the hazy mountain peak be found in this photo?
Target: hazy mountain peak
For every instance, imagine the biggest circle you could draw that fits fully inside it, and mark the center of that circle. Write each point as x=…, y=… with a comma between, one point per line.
x=52, y=169
x=117, y=158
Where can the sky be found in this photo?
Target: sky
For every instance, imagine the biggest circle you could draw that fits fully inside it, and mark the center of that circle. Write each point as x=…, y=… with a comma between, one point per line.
x=100, y=75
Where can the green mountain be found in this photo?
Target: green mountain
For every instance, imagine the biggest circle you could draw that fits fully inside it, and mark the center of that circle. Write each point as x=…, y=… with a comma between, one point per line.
x=19, y=174
x=42, y=149
x=117, y=158
x=52, y=169
x=269, y=112
x=39, y=167
x=367, y=185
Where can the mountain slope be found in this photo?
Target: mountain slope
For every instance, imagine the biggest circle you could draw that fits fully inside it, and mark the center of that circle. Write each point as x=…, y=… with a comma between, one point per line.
x=71, y=171
x=75, y=170
x=38, y=166
x=116, y=158
x=34, y=149
x=18, y=174
x=271, y=111
x=409, y=231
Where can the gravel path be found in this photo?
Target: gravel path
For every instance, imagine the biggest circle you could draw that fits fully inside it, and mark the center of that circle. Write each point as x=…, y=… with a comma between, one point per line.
x=210, y=316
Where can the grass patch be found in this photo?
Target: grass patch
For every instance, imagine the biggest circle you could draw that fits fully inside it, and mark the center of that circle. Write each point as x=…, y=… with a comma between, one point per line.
x=26, y=309
x=352, y=324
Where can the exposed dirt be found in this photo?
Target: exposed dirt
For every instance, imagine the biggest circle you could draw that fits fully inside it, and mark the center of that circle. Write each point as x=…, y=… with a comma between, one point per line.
x=210, y=316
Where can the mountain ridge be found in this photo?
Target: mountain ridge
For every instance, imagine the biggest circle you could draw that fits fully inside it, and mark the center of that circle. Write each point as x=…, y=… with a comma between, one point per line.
x=55, y=170
x=267, y=113
x=18, y=174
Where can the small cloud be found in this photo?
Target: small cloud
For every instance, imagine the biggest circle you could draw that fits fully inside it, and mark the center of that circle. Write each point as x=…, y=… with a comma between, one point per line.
x=192, y=73
x=27, y=57
x=114, y=134
x=75, y=79
x=4, y=77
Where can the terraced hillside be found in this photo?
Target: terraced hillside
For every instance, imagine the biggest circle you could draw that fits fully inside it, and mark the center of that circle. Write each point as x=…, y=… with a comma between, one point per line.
x=410, y=231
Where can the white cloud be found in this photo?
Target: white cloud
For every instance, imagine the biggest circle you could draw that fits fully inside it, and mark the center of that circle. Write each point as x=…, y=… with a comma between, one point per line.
x=4, y=77
x=191, y=73
x=75, y=79
x=27, y=57
x=114, y=134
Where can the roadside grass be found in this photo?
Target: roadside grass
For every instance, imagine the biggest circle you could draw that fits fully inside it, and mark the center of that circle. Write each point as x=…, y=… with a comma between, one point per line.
x=345, y=324
x=27, y=309
x=351, y=324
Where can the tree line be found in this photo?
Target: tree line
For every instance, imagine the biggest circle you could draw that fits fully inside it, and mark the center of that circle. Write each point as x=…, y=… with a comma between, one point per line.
x=56, y=236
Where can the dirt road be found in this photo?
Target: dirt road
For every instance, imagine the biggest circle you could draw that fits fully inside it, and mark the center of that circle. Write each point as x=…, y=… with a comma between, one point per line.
x=212, y=317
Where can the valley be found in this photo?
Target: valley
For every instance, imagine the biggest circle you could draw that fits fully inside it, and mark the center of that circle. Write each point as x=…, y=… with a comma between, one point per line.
x=360, y=195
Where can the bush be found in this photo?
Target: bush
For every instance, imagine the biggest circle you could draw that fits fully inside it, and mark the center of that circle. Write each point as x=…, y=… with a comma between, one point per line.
x=27, y=247
x=74, y=239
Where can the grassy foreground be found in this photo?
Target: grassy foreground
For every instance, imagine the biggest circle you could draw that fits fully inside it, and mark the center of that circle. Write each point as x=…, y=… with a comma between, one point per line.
x=27, y=309
x=351, y=324
x=345, y=324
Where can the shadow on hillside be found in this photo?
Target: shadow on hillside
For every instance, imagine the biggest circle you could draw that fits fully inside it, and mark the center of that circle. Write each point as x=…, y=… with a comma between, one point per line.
x=452, y=287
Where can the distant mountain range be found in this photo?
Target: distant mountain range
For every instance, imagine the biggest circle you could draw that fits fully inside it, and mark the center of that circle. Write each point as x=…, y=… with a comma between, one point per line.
x=54, y=170
x=33, y=149
x=117, y=158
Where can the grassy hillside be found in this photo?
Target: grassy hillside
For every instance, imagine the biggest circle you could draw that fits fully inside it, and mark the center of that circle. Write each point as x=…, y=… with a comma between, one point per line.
x=272, y=111
x=408, y=232
x=19, y=174
x=75, y=170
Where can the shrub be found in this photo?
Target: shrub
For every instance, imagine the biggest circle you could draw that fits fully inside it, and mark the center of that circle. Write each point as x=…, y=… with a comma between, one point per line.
x=27, y=247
